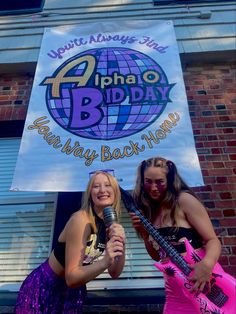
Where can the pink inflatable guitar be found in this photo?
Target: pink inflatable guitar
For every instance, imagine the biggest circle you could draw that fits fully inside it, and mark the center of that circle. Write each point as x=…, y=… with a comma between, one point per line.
x=219, y=298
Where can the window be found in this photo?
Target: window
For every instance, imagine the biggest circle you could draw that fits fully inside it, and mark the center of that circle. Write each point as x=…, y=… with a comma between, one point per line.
x=26, y=223
x=20, y=6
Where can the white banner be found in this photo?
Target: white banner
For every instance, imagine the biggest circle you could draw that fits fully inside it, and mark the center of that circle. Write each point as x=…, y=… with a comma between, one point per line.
x=106, y=95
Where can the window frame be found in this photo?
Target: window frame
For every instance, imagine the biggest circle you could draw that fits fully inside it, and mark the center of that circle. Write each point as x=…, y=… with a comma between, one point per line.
x=178, y=2
x=27, y=221
x=14, y=7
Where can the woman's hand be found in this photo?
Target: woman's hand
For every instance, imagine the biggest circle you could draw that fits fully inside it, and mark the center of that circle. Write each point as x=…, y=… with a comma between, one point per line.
x=138, y=225
x=115, y=247
x=116, y=230
x=115, y=250
x=136, y=222
x=201, y=275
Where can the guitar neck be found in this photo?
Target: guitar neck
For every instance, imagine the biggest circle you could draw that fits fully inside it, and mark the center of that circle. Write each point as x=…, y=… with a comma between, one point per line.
x=175, y=257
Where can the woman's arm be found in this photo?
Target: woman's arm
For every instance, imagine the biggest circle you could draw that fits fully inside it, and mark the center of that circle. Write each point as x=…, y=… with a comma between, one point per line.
x=198, y=218
x=145, y=236
x=77, y=231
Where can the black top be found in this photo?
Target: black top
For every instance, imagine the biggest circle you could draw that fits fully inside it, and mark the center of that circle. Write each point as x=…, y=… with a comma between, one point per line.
x=175, y=236
x=95, y=245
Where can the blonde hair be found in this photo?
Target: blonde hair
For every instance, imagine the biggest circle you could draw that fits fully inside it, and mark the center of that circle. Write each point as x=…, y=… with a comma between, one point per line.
x=87, y=202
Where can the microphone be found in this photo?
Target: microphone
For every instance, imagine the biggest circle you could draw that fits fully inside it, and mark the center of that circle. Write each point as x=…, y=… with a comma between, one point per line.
x=109, y=216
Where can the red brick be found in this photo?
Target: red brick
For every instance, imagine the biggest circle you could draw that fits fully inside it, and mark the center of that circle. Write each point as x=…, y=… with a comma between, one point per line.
x=233, y=248
x=210, y=180
x=220, y=172
x=218, y=165
x=216, y=151
x=222, y=187
x=6, y=113
x=232, y=260
x=4, y=97
x=215, y=213
x=225, y=195
x=229, y=212
x=231, y=143
x=229, y=240
x=221, y=179
x=232, y=180
x=230, y=270
x=226, y=204
x=224, y=260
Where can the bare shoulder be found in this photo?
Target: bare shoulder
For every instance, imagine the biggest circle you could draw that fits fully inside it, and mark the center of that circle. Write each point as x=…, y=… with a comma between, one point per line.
x=197, y=216
x=78, y=222
x=186, y=197
x=80, y=214
x=189, y=202
x=79, y=218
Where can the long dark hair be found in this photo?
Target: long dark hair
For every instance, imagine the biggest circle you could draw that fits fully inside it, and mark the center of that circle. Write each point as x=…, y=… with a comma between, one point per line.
x=175, y=185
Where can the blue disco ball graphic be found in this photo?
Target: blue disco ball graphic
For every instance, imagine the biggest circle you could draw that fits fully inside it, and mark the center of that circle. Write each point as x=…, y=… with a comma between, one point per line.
x=107, y=93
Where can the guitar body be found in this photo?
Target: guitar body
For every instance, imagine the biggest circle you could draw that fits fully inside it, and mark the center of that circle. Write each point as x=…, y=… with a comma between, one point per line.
x=221, y=297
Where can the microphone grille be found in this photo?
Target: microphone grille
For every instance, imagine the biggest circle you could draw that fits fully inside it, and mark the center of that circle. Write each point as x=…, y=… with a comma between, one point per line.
x=109, y=216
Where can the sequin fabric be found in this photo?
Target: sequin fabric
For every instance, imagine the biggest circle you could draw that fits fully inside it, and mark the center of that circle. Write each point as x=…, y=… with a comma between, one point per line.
x=43, y=292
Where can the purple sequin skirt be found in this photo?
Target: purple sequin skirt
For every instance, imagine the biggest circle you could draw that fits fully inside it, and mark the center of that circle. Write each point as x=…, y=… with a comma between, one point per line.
x=43, y=292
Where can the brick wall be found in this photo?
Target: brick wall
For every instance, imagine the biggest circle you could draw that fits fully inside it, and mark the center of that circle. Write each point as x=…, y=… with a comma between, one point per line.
x=212, y=105
x=14, y=96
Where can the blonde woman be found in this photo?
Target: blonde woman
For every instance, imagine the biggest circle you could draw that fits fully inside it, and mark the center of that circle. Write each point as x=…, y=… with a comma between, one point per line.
x=59, y=284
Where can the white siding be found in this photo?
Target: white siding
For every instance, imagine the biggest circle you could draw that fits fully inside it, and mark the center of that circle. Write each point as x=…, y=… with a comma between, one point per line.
x=20, y=35
x=26, y=223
